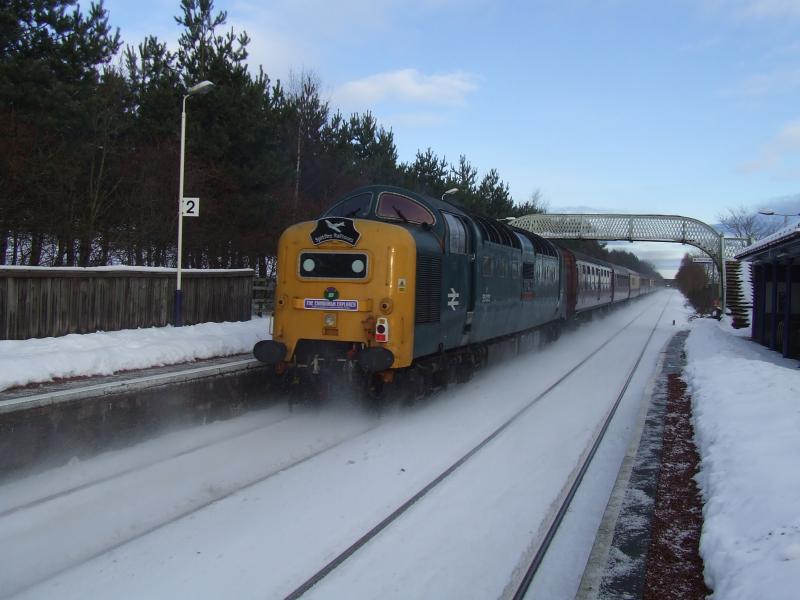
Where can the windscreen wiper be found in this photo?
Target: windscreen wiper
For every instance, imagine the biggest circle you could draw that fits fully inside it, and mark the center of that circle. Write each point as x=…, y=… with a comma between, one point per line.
x=400, y=214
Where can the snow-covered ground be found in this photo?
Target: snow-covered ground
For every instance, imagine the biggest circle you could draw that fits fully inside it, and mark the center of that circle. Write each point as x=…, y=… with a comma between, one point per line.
x=263, y=540
x=747, y=427
x=263, y=510
x=103, y=353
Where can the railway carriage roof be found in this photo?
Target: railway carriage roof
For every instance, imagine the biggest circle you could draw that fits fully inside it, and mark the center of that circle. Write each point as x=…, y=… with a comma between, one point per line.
x=595, y=261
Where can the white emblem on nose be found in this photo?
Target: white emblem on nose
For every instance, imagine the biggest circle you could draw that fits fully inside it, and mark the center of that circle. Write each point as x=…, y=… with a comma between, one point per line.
x=337, y=227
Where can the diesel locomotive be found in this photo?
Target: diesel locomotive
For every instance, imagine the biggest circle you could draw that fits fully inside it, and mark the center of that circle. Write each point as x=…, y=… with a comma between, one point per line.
x=391, y=284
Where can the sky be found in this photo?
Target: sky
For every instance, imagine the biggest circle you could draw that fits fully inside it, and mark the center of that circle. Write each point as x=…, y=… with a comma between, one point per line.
x=686, y=107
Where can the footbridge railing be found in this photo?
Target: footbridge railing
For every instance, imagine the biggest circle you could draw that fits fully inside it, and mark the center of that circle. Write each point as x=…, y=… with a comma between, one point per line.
x=638, y=228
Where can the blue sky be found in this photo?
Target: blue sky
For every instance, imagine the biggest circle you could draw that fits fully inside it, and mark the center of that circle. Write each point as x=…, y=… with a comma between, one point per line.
x=675, y=106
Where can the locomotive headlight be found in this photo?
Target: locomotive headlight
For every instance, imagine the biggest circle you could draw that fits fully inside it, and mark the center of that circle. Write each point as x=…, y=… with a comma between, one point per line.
x=358, y=266
x=308, y=265
x=330, y=320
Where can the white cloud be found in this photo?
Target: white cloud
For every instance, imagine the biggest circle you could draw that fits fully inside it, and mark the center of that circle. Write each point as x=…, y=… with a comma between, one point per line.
x=407, y=86
x=770, y=8
x=758, y=9
x=701, y=45
x=777, y=81
x=415, y=119
x=591, y=210
x=273, y=44
x=775, y=152
x=787, y=49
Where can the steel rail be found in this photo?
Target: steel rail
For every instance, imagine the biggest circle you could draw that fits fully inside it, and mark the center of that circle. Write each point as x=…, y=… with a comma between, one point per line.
x=536, y=562
x=399, y=511
x=134, y=469
x=191, y=511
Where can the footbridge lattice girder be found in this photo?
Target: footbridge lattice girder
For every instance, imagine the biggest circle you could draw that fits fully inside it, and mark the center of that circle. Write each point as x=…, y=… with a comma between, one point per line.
x=634, y=228
x=637, y=228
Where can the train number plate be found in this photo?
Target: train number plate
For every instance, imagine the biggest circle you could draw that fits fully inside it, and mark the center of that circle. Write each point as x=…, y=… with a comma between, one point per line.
x=323, y=304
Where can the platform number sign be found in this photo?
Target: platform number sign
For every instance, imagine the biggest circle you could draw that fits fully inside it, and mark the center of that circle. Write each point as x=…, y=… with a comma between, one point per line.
x=191, y=207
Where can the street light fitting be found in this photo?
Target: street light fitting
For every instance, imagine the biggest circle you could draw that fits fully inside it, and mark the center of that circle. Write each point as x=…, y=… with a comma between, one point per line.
x=449, y=192
x=770, y=212
x=201, y=88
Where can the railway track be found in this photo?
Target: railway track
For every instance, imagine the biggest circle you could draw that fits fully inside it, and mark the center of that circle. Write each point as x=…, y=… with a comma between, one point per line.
x=218, y=494
x=556, y=517
x=558, y=514
x=353, y=548
x=4, y=512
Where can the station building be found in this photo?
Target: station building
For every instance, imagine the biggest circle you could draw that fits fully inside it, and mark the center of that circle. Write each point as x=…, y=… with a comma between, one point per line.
x=776, y=290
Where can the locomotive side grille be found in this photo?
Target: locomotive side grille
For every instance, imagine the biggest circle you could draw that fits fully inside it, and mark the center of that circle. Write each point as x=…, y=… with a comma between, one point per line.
x=528, y=270
x=429, y=288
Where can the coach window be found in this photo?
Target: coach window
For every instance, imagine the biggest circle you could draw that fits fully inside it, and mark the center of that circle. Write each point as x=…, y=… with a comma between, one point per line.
x=399, y=208
x=457, y=234
x=357, y=206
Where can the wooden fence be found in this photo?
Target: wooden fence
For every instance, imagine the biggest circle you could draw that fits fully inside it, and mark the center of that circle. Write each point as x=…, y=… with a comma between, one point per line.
x=41, y=302
x=263, y=296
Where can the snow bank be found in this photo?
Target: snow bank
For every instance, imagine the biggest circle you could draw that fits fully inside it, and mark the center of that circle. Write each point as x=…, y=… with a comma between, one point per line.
x=102, y=353
x=747, y=427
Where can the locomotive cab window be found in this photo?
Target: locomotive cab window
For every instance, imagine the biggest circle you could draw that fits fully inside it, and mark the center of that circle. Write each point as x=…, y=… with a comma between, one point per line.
x=333, y=265
x=354, y=207
x=456, y=234
x=399, y=208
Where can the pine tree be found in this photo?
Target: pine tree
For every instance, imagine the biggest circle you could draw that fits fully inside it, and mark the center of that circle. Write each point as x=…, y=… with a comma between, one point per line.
x=51, y=68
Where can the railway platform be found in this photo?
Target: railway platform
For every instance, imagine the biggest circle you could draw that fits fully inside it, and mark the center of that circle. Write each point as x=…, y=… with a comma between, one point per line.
x=42, y=421
x=40, y=395
x=627, y=558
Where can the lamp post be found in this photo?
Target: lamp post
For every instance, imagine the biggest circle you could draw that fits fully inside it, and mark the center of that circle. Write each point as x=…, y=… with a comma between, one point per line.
x=770, y=212
x=196, y=90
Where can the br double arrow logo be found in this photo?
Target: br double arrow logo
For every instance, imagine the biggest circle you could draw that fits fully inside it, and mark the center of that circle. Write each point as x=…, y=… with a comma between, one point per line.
x=452, y=298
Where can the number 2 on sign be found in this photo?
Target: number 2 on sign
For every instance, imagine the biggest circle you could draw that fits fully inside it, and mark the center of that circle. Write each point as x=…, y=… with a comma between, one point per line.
x=190, y=207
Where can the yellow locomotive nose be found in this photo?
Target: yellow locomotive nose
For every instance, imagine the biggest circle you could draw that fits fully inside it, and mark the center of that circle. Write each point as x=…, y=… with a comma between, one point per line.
x=337, y=296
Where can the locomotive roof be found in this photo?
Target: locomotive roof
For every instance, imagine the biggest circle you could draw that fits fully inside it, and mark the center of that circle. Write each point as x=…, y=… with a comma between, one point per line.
x=492, y=229
x=432, y=202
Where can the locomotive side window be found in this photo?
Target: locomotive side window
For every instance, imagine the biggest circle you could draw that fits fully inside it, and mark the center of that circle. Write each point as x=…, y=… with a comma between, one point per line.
x=457, y=234
x=486, y=266
x=331, y=265
x=357, y=206
x=399, y=208
x=502, y=267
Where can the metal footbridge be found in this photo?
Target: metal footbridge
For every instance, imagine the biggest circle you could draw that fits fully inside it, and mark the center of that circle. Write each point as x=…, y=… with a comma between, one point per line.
x=637, y=228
